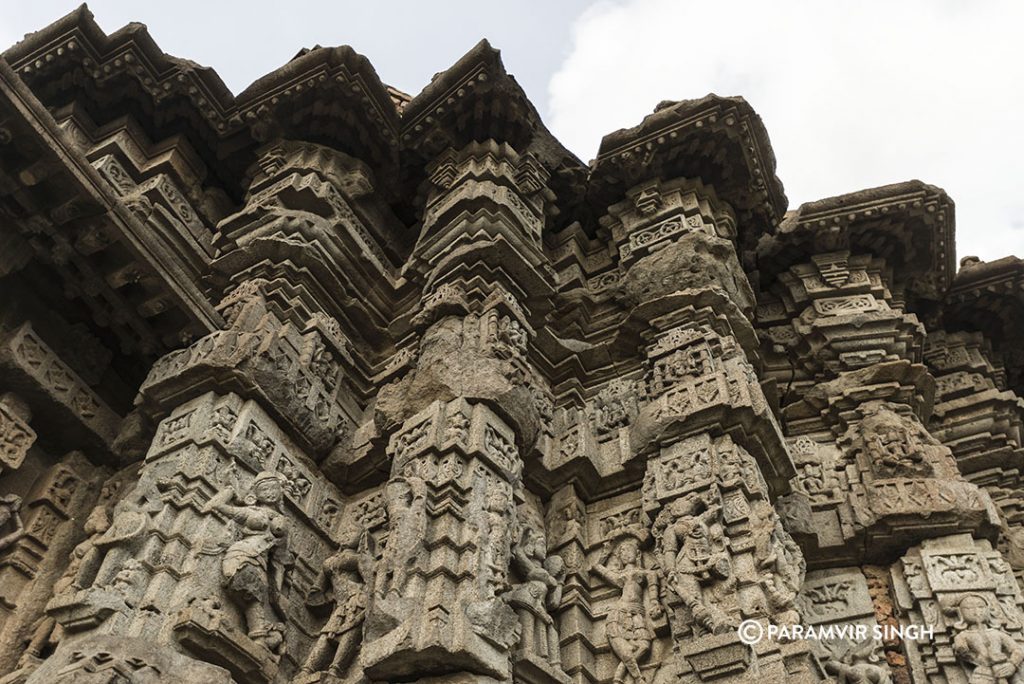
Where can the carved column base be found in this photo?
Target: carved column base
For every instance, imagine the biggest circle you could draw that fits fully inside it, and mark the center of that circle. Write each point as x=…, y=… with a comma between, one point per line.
x=443, y=639
x=208, y=634
x=725, y=659
x=85, y=609
x=529, y=669
x=898, y=511
x=110, y=658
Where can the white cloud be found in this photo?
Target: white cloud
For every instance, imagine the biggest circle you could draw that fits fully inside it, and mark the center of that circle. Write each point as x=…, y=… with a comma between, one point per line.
x=854, y=94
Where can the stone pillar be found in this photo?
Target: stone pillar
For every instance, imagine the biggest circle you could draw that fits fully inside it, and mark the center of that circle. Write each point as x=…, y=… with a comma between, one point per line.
x=966, y=592
x=451, y=512
x=37, y=536
x=715, y=454
x=982, y=423
x=873, y=481
x=465, y=583
x=204, y=569
x=16, y=435
x=869, y=467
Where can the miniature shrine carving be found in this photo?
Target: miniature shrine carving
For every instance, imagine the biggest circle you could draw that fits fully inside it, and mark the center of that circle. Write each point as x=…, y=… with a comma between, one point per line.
x=325, y=383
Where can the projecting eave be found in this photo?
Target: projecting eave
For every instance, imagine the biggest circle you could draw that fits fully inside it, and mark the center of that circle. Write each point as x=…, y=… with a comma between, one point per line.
x=909, y=224
x=989, y=297
x=327, y=95
x=66, y=195
x=720, y=140
x=73, y=60
x=330, y=96
x=475, y=100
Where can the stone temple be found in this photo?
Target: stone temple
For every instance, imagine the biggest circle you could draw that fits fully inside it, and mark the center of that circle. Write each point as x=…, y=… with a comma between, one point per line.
x=325, y=383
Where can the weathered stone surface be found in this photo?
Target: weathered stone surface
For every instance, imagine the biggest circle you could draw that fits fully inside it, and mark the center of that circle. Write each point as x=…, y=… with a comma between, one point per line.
x=324, y=383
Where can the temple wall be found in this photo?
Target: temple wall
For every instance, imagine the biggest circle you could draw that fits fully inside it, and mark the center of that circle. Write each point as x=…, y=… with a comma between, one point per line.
x=324, y=383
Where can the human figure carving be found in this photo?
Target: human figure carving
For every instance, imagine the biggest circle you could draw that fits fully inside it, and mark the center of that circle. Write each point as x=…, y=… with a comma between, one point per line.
x=995, y=657
x=694, y=553
x=538, y=595
x=820, y=480
x=629, y=625
x=10, y=505
x=782, y=567
x=497, y=509
x=858, y=665
x=573, y=522
x=346, y=574
x=896, y=447
x=254, y=565
x=86, y=558
x=405, y=498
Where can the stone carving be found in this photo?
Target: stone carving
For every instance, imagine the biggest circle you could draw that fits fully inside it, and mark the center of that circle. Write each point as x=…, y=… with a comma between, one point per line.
x=348, y=576
x=405, y=502
x=694, y=552
x=16, y=436
x=537, y=596
x=894, y=448
x=254, y=565
x=966, y=593
x=858, y=665
x=630, y=623
x=782, y=567
x=10, y=517
x=991, y=653
x=329, y=383
x=114, y=535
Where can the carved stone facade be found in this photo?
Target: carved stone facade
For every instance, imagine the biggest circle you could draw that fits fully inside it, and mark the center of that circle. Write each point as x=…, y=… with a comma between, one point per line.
x=324, y=383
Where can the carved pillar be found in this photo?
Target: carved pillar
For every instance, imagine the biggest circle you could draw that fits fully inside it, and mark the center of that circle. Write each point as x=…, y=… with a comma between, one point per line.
x=205, y=566
x=16, y=435
x=465, y=582
x=869, y=468
x=715, y=454
x=981, y=422
x=451, y=510
x=967, y=593
x=567, y=523
x=842, y=599
x=873, y=481
x=37, y=535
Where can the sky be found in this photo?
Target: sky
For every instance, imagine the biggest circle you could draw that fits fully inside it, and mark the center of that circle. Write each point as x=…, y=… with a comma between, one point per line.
x=853, y=94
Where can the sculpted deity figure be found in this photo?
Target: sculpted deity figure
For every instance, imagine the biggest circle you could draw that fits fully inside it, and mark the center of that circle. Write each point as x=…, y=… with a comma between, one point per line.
x=857, y=665
x=896, y=447
x=820, y=480
x=573, y=527
x=10, y=505
x=538, y=595
x=86, y=558
x=347, y=574
x=629, y=625
x=782, y=566
x=497, y=548
x=995, y=657
x=254, y=565
x=405, y=499
x=695, y=555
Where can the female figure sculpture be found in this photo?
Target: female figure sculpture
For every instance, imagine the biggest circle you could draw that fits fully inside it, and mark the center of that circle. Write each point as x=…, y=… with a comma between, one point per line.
x=629, y=625
x=347, y=574
x=10, y=505
x=254, y=565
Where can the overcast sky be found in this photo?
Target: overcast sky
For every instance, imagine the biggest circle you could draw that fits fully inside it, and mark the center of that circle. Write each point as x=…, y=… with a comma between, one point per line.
x=854, y=94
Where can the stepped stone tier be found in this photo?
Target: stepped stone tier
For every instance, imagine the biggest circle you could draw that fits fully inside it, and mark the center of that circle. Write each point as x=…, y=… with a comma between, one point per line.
x=324, y=383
